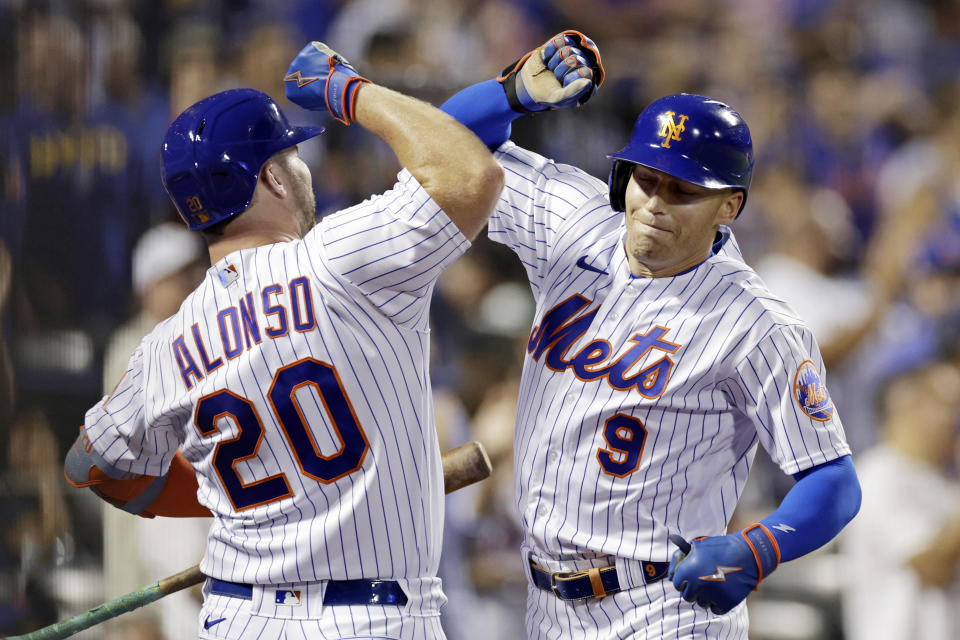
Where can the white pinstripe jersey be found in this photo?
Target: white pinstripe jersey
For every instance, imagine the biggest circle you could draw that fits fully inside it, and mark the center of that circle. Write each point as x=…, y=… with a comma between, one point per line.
x=642, y=400
x=295, y=379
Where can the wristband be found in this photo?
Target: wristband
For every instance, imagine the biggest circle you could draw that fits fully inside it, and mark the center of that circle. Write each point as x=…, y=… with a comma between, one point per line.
x=341, y=92
x=764, y=547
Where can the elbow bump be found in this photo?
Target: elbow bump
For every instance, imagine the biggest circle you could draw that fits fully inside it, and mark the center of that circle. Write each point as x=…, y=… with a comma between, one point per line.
x=477, y=189
x=497, y=176
x=490, y=180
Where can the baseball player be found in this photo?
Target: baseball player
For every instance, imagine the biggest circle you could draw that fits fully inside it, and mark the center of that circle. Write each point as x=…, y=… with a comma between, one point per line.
x=656, y=364
x=294, y=380
x=289, y=396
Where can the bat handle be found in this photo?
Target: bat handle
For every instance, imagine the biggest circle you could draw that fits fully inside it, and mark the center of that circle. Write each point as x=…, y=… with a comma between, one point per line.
x=183, y=580
x=129, y=602
x=680, y=542
x=462, y=466
x=112, y=609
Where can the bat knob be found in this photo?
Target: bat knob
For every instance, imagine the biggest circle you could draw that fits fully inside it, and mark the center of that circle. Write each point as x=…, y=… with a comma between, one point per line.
x=680, y=542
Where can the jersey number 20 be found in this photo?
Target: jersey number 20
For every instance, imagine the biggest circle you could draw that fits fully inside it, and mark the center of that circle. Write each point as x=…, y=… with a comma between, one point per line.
x=282, y=398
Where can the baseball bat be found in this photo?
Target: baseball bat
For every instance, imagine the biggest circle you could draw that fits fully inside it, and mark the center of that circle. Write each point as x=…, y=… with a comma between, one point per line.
x=462, y=466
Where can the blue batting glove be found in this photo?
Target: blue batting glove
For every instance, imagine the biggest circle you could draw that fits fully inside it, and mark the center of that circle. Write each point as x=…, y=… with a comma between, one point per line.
x=577, y=72
x=320, y=79
x=719, y=572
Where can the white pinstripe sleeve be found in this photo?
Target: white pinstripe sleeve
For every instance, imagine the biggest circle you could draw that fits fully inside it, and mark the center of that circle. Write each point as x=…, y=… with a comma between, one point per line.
x=120, y=433
x=782, y=381
x=538, y=198
x=392, y=247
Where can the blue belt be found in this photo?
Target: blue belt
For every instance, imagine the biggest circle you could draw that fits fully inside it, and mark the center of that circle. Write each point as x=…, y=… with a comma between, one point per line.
x=338, y=592
x=591, y=583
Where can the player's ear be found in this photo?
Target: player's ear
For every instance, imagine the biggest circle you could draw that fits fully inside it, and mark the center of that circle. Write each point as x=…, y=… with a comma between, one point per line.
x=273, y=178
x=729, y=208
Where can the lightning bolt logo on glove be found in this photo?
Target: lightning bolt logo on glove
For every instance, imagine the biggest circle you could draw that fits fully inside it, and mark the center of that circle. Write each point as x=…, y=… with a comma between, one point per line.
x=301, y=81
x=339, y=82
x=720, y=575
x=696, y=571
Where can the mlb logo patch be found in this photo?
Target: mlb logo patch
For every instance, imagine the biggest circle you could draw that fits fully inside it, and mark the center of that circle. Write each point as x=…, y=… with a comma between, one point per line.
x=228, y=276
x=288, y=597
x=811, y=393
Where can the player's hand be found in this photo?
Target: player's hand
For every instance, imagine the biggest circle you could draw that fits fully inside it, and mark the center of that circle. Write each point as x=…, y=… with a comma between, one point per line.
x=321, y=79
x=563, y=72
x=719, y=572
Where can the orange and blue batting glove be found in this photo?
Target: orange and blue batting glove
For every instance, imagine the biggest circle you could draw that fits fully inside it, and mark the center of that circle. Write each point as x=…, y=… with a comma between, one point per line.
x=320, y=79
x=719, y=572
x=573, y=61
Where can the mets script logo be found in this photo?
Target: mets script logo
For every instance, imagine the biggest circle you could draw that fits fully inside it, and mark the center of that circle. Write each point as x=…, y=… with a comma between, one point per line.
x=671, y=129
x=565, y=324
x=811, y=394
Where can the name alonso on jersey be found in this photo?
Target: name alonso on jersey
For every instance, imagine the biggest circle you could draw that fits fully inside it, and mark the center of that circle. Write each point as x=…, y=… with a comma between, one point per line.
x=239, y=327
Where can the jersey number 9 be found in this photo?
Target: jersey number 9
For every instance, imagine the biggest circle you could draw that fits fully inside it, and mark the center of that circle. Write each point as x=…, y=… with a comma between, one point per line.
x=282, y=397
x=625, y=437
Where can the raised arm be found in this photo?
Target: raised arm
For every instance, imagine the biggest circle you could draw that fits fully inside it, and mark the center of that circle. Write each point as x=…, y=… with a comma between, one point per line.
x=563, y=72
x=451, y=163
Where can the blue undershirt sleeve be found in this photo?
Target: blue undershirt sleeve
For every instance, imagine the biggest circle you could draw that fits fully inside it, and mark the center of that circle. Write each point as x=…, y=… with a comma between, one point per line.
x=825, y=498
x=483, y=108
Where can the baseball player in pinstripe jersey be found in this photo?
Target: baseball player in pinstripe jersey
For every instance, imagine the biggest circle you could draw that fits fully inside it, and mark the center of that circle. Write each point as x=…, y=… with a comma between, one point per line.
x=656, y=364
x=294, y=380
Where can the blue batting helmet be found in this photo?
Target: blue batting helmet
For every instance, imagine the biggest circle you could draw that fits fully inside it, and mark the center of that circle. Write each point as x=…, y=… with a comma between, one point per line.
x=213, y=152
x=693, y=138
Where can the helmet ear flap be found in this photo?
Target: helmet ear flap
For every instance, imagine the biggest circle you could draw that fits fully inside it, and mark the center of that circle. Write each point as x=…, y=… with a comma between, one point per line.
x=620, y=174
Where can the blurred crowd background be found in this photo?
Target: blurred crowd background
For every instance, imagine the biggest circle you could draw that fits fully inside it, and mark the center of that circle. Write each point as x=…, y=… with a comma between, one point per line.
x=853, y=217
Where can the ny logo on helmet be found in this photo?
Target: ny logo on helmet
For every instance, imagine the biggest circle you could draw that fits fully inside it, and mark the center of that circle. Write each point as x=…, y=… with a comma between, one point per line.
x=671, y=130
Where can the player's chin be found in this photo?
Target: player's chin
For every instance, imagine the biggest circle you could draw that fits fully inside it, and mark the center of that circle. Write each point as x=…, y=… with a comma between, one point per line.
x=645, y=247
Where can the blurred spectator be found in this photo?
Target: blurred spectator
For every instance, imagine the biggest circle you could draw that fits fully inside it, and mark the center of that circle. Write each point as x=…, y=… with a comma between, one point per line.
x=190, y=54
x=168, y=263
x=79, y=181
x=915, y=254
x=37, y=533
x=494, y=566
x=811, y=230
x=6, y=368
x=264, y=53
x=136, y=106
x=461, y=519
x=910, y=500
x=479, y=312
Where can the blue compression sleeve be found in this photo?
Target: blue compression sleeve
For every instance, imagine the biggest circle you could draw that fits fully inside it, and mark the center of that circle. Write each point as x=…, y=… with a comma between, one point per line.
x=483, y=108
x=823, y=501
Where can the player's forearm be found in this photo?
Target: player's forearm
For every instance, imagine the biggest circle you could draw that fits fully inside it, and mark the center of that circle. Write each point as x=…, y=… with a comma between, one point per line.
x=814, y=511
x=174, y=494
x=484, y=109
x=451, y=163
